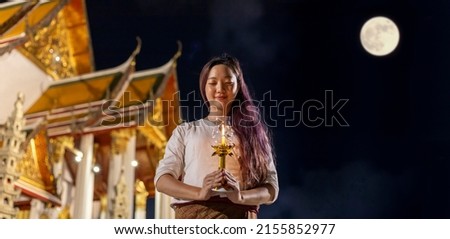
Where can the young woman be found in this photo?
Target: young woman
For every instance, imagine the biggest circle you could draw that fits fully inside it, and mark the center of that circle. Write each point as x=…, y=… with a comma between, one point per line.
x=188, y=172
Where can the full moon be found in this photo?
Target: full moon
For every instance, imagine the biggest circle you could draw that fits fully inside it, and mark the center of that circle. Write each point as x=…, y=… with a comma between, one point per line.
x=379, y=36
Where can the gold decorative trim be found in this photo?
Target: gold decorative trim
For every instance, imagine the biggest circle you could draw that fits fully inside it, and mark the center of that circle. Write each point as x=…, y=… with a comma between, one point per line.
x=17, y=16
x=120, y=139
x=59, y=146
x=141, y=195
x=35, y=167
x=28, y=167
x=48, y=49
x=32, y=30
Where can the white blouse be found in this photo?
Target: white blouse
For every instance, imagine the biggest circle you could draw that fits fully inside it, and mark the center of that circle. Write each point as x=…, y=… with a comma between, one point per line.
x=188, y=157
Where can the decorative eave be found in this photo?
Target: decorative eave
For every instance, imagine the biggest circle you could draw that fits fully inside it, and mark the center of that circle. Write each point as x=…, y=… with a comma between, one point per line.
x=14, y=12
x=31, y=27
x=25, y=22
x=62, y=49
x=35, y=192
x=86, y=92
x=96, y=102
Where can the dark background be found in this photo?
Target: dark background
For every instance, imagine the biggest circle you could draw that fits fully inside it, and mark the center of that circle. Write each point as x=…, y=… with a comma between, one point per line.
x=393, y=159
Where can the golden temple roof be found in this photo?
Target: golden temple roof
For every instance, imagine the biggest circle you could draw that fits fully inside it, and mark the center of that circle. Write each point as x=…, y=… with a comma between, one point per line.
x=82, y=100
x=89, y=100
x=17, y=18
x=31, y=25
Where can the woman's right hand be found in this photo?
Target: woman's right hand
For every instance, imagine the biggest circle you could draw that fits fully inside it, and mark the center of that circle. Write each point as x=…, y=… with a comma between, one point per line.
x=210, y=181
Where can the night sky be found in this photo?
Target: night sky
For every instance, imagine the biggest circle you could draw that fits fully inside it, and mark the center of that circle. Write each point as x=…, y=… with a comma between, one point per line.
x=392, y=160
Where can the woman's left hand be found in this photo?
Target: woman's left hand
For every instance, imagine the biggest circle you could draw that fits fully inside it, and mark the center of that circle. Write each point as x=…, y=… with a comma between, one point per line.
x=231, y=182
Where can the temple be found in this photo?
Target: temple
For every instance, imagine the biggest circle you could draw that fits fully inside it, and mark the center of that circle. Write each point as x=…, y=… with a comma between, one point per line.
x=76, y=142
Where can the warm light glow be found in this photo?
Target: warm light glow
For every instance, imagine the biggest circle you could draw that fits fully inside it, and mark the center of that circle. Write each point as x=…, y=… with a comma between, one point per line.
x=78, y=154
x=134, y=163
x=96, y=169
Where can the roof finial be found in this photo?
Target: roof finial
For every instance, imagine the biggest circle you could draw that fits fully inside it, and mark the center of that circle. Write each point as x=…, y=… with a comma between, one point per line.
x=180, y=48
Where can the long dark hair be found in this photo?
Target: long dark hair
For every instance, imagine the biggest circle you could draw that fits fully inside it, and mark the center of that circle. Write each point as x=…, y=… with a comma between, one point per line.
x=252, y=133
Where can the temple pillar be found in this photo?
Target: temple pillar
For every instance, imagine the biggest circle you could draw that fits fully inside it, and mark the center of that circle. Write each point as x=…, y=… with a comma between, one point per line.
x=129, y=170
x=84, y=191
x=63, y=179
x=162, y=206
x=124, y=152
x=36, y=208
x=162, y=201
x=115, y=165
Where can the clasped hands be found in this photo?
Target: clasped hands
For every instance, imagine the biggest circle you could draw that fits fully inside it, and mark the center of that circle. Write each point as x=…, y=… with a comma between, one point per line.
x=221, y=178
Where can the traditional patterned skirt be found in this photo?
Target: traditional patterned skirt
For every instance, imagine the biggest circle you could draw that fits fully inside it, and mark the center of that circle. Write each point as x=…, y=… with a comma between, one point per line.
x=214, y=208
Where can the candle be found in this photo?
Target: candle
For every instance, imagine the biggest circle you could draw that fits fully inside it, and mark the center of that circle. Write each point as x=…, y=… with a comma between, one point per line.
x=222, y=128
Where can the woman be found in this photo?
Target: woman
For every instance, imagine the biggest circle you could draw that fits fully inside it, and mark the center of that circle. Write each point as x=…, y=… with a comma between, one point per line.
x=189, y=173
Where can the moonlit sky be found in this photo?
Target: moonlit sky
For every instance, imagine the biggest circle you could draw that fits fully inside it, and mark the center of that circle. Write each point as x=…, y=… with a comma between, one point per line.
x=393, y=159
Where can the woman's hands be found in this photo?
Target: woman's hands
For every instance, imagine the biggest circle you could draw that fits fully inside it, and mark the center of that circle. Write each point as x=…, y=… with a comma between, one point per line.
x=221, y=178
x=231, y=182
x=169, y=185
x=210, y=181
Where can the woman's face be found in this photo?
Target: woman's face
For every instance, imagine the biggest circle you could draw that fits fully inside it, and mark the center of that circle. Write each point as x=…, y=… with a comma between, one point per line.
x=221, y=89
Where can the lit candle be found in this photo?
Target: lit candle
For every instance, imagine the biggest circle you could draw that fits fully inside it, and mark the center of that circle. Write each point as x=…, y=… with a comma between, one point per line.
x=222, y=128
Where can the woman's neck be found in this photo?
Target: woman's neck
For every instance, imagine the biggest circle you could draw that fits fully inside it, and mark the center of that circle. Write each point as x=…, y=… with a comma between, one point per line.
x=215, y=114
x=216, y=117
